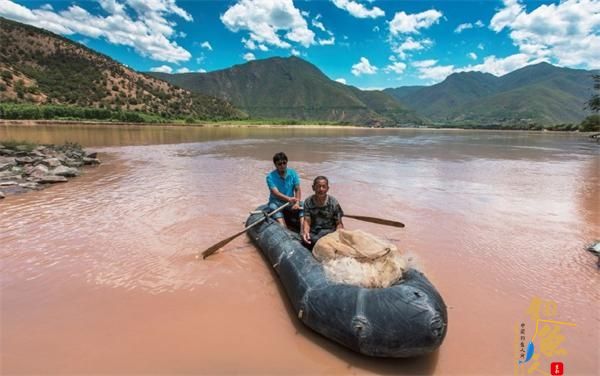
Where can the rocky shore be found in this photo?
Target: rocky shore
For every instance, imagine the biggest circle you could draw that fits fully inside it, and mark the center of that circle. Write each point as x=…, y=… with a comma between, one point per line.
x=26, y=167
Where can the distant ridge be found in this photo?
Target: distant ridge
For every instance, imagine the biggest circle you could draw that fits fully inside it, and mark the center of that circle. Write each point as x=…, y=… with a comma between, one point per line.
x=292, y=88
x=40, y=67
x=536, y=94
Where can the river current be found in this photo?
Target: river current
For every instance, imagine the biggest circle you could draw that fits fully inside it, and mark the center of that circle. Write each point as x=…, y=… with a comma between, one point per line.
x=98, y=275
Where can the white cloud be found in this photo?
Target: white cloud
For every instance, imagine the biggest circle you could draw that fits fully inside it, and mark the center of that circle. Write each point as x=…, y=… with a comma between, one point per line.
x=363, y=67
x=341, y=80
x=501, y=66
x=376, y=29
x=206, y=44
x=162, y=69
x=295, y=52
x=435, y=73
x=47, y=7
x=358, y=10
x=507, y=15
x=463, y=26
x=424, y=63
x=265, y=19
x=472, y=55
x=201, y=70
x=182, y=70
x=249, y=56
x=327, y=42
x=397, y=67
x=147, y=31
x=403, y=23
x=480, y=46
x=318, y=24
x=567, y=33
x=410, y=44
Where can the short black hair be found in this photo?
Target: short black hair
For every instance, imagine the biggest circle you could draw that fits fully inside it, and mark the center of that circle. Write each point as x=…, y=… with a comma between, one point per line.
x=320, y=177
x=279, y=157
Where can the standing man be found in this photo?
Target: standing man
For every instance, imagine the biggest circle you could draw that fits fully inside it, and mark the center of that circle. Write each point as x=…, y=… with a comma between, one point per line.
x=284, y=186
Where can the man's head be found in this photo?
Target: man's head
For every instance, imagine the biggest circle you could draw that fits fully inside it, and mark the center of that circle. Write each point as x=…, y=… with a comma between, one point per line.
x=280, y=160
x=320, y=186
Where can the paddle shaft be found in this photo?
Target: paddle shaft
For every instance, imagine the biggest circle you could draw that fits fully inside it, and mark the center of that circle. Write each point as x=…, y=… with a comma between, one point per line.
x=379, y=221
x=220, y=244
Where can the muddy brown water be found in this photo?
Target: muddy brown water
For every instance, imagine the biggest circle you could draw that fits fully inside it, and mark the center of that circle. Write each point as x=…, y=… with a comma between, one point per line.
x=98, y=275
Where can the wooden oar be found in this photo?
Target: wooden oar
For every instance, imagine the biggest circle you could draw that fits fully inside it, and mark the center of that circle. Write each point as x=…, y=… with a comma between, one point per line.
x=212, y=249
x=379, y=221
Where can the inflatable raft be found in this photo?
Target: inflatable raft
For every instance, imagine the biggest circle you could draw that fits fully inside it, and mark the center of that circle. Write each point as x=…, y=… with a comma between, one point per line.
x=406, y=319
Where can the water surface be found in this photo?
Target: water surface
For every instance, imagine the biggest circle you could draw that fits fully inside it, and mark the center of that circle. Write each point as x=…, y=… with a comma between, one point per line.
x=99, y=275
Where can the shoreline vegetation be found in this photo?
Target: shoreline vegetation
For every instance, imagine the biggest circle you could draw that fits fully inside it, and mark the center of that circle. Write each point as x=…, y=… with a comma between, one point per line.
x=26, y=166
x=37, y=114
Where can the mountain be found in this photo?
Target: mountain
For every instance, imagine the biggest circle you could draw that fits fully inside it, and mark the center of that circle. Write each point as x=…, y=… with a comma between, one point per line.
x=291, y=88
x=536, y=94
x=401, y=92
x=39, y=67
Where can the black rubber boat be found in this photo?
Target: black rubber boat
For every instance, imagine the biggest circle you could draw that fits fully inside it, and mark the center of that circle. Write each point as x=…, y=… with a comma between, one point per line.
x=404, y=320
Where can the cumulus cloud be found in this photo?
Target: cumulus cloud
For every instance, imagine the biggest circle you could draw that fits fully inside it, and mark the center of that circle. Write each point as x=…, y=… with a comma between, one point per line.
x=249, y=56
x=295, y=52
x=162, y=69
x=363, y=67
x=410, y=44
x=148, y=31
x=266, y=20
x=397, y=67
x=472, y=55
x=501, y=66
x=206, y=44
x=341, y=80
x=357, y=9
x=429, y=70
x=404, y=23
x=182, y=70
x=480, y=46
x=567, y=33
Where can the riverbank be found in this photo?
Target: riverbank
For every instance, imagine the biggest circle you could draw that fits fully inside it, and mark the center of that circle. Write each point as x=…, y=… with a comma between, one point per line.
x=28, y=167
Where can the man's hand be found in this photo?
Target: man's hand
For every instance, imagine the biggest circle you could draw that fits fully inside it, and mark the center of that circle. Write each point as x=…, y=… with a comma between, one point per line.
x=306, y=237
x=296, y=206
x=293, y=200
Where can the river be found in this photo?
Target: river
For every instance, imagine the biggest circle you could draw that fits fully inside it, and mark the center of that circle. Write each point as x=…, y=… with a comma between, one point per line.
x=99, y=274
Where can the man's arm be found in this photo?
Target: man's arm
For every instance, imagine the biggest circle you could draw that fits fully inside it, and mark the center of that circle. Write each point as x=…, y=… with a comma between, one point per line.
x=282, y=197
x=306, y=230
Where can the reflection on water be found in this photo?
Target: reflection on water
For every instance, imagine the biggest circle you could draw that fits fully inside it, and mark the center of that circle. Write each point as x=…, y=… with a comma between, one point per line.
x=100, y=273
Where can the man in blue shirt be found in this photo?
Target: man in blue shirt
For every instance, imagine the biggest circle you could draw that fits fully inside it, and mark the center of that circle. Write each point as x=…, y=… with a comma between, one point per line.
x=284, y=186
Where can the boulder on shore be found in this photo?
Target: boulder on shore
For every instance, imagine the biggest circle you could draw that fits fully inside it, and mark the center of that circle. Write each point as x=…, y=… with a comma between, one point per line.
x=24, y=167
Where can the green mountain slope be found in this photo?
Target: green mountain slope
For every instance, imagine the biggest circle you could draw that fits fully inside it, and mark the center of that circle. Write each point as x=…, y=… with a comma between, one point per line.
x=291, y=88
x=39, y=67
x=541, y=94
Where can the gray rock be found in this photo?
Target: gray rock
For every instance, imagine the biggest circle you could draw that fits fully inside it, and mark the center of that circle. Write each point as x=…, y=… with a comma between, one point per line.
x=29, y=185
x=91, y=161
x=7, y=183
x=1, y=195
x=93, y=155
x=51, y=162
x=38, y=171
x=73, y=162
x=65, y=171
x=24, y=160
x=53, y=179
x=6, y=165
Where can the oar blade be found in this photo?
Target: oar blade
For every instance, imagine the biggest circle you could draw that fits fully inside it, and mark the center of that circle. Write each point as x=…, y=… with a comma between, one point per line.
x=212, y=249
x=380, y=221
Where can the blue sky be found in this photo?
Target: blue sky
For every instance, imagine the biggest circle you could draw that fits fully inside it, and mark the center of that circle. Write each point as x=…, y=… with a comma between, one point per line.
x=365, y=43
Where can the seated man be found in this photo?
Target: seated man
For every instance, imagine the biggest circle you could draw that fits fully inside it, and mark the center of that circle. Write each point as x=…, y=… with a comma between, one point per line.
x=322, y=213
x=284, y=186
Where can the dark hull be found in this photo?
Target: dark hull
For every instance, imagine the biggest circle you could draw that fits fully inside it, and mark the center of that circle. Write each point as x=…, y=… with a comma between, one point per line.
x=404, y=320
